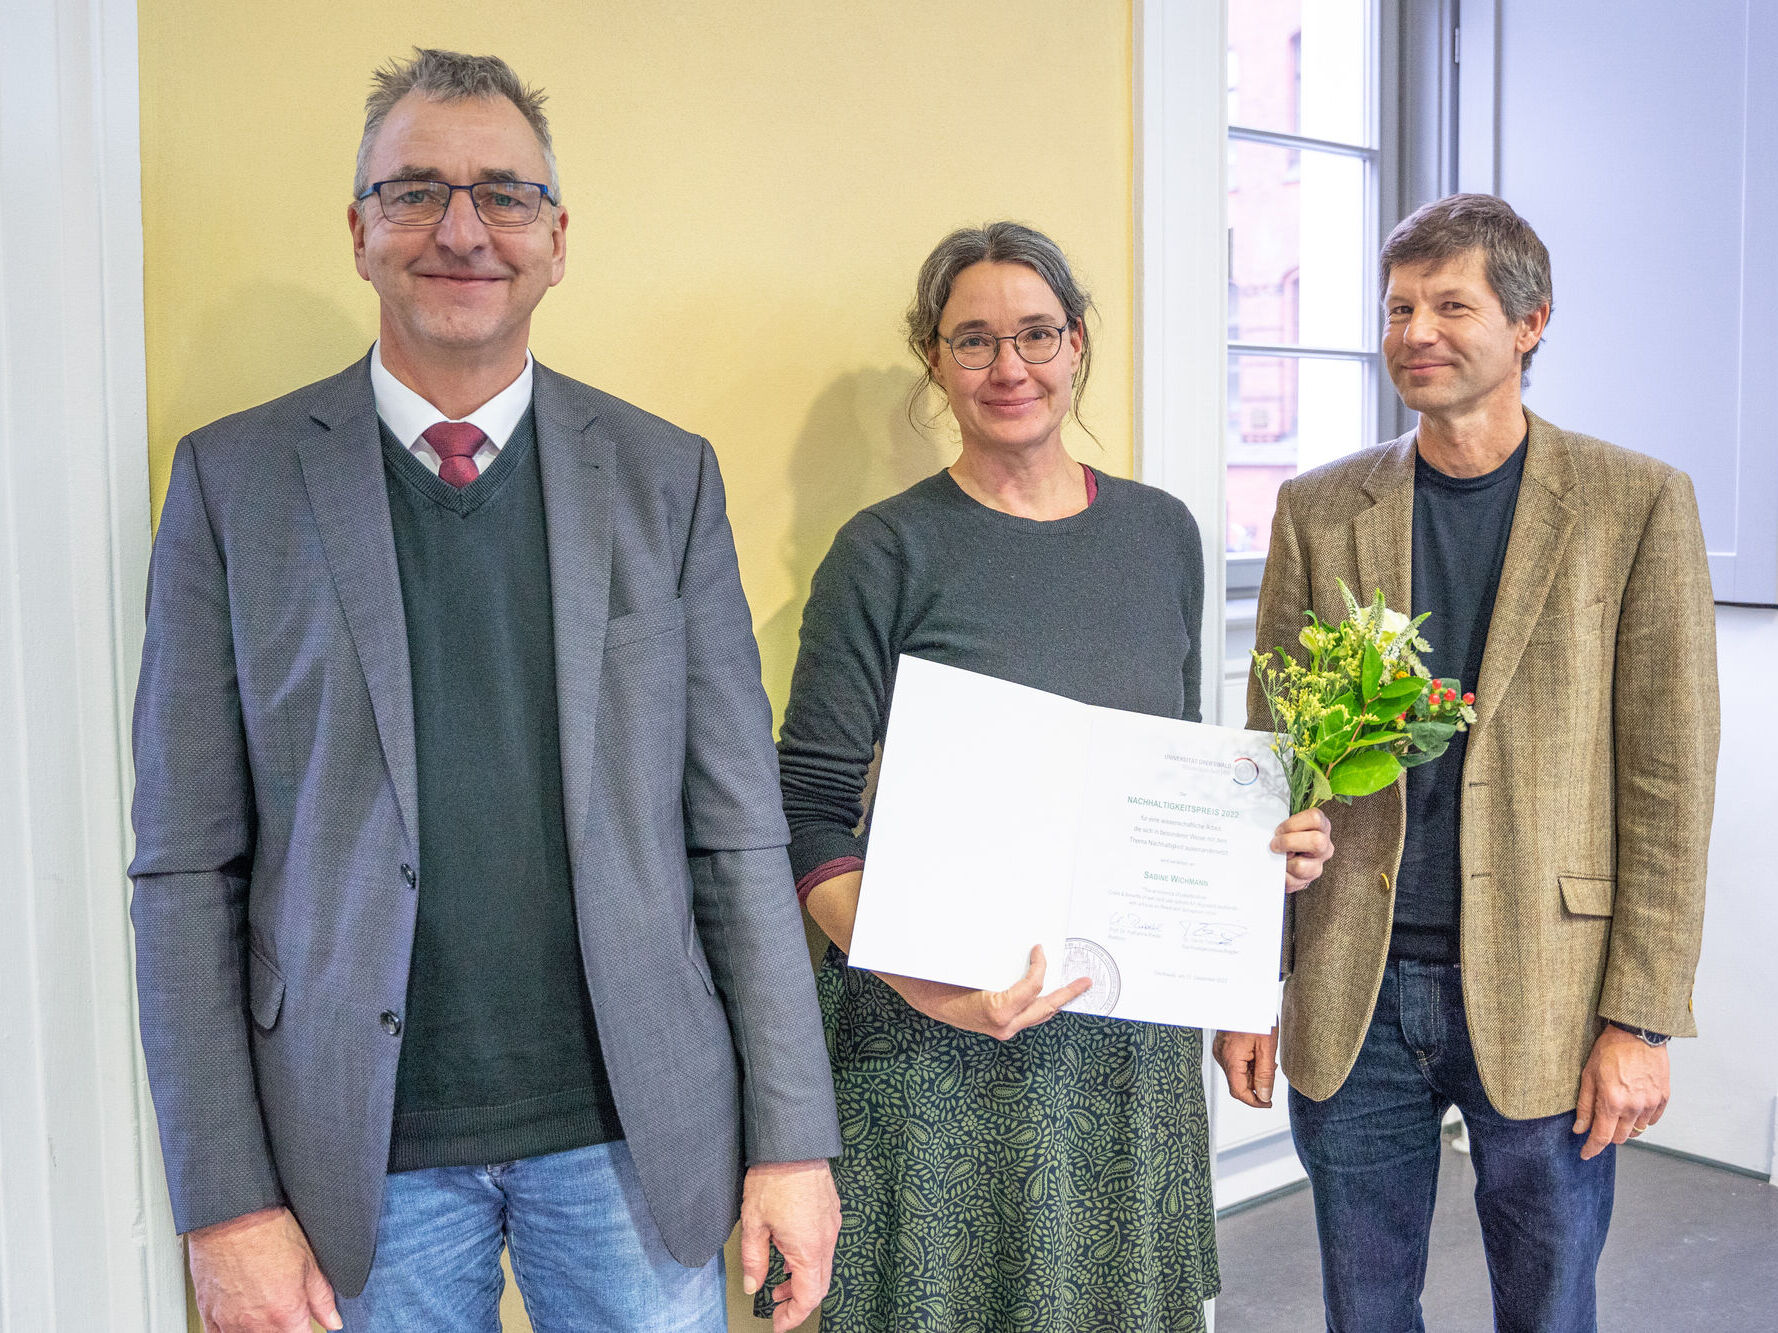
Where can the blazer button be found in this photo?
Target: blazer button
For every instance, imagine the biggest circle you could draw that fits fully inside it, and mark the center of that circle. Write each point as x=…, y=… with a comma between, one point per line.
x=407, y=873
x=391, y=1022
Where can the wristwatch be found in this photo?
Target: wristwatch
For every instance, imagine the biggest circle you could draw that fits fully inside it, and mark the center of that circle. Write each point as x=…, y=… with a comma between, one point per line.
x=1652, y=1038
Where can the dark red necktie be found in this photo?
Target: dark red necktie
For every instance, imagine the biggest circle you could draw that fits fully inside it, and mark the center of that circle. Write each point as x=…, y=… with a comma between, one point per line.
x=456, y=443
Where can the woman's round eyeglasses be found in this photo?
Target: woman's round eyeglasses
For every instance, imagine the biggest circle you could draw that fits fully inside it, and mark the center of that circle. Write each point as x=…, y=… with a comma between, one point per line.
x=1035, y=345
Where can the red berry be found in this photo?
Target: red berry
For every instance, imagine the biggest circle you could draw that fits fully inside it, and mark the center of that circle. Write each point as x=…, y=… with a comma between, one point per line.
x=1469, y=698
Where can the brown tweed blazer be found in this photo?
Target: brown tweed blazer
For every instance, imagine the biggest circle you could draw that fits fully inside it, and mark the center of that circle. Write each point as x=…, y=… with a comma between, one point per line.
x=1588, y=779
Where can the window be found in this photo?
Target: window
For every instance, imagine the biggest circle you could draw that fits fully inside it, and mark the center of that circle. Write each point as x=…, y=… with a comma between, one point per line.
x=1305, y=167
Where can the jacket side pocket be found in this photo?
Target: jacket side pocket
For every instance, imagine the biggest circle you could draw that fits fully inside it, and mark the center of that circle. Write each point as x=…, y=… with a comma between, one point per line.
x=265, y=988
x=1588, y=895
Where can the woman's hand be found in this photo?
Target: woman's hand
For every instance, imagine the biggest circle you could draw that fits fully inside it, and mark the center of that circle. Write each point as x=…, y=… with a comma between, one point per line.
x=1307, y=839
x=1000, y=1014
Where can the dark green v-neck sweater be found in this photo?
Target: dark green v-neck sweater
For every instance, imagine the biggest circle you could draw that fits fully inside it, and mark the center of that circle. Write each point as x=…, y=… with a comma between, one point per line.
x=500, y=1054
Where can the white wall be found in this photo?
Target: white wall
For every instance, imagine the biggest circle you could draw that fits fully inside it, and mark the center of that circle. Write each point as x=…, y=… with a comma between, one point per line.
x=1725, y=1084
x=1637, y=138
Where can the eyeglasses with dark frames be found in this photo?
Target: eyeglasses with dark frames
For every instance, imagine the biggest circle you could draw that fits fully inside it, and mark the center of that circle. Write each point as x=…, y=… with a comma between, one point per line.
x=1035, y=345
x=423, y=203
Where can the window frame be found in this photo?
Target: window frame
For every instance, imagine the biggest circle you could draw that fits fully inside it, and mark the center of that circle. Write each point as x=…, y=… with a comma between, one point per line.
x=1180, y=93
x=1380, y=157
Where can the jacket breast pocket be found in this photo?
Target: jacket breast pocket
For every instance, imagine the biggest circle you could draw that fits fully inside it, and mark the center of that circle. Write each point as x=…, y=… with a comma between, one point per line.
x=1559, y=696
x=265, y=988
x=1588, y=895
x=642, y=694
x=1567, y=628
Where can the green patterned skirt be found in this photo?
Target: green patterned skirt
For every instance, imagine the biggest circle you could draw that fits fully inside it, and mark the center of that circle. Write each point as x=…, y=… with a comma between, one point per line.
x=1055, y=1183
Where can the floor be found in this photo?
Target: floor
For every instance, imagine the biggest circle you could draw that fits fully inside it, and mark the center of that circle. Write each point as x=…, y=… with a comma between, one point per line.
x=1692, y=1247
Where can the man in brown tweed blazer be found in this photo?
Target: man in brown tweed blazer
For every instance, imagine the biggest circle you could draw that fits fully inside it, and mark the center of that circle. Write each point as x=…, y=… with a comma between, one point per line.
x=1513, y=928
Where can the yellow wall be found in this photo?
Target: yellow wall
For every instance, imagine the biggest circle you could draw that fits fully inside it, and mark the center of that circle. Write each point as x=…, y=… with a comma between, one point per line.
x=751, y=186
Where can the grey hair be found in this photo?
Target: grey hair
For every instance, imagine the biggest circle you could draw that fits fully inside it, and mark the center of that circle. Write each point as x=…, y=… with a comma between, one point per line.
x=1517, y=264
x=995, y=243
x=449, y=76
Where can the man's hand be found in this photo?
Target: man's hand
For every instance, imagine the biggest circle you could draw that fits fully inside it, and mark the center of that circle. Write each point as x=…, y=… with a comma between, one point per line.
x=1250, y=1060
x=257, y=1274
x=1001, y=1014
x=1307, y=839
x=792, y=1205
x=1623, y=1090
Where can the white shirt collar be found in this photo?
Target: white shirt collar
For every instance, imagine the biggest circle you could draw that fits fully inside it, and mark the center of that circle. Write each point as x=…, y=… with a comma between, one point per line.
x=406, y=414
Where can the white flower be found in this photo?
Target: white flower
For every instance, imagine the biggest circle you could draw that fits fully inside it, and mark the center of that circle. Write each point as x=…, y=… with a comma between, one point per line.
x=1394, y=622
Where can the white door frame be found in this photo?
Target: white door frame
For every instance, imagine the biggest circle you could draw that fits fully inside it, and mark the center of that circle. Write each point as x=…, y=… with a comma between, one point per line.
x=1181, y=208
x=86, y=1235
x=1181, y=169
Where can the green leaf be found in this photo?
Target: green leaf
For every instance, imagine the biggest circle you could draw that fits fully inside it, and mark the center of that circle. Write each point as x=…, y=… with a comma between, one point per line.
x=1322, y=789
x=1336, y=743
x=1398, y=697
x=1302, y=781
x=1414, y=758
x=1399, y=692
x=1337, y=718
x=1425, y=735
x=1376, y=738
x=1371, y=673
x=1363, y=773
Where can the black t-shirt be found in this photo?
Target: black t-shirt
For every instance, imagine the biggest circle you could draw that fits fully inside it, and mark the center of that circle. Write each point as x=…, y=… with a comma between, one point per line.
x=1461, y=527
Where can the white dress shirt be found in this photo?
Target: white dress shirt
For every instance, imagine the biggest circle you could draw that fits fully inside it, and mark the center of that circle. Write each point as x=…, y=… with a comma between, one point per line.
x=406, y=414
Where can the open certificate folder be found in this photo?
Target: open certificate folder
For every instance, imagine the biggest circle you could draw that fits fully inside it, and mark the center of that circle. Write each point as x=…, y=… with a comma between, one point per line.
x=1135, y=849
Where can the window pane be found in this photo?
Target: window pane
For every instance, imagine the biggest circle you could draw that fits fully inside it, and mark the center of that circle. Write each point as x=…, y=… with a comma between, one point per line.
x=1297, y=68
x=1296, y=247
x=1286, y=415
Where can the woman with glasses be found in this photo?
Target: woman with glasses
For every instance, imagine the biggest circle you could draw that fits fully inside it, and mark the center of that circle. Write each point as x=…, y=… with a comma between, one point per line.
x=1006, y=1166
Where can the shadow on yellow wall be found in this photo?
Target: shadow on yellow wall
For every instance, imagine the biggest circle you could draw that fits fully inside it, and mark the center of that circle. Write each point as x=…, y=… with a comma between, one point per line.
x=856, y=446
x=751, y=190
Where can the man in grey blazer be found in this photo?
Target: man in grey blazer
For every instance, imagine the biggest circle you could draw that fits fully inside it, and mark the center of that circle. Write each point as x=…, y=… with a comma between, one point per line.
x=463, y=912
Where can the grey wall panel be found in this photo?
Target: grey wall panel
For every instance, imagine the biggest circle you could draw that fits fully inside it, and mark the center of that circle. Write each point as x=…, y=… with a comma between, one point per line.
x=1633, y=138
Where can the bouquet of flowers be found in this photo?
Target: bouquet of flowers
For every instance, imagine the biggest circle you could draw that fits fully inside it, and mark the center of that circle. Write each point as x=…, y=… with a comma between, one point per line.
x=1362, y=708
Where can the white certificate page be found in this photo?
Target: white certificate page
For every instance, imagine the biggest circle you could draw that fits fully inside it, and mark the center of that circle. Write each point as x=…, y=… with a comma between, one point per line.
x=1134, y=849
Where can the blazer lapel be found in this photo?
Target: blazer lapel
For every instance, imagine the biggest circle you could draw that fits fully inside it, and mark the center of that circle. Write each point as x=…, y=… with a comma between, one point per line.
x=578, y=466
x=1542, y=523
x=1383, y=535
x=342, y=467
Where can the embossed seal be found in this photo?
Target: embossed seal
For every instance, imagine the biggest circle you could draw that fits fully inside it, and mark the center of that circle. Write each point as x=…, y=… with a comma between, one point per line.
x=1084, y=958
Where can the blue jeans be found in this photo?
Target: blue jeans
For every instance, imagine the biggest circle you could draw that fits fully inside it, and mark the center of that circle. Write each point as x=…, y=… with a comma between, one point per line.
x=1372, y=1153
x=583, y=1246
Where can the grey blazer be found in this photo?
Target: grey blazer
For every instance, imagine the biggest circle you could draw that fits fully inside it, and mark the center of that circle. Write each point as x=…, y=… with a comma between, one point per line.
x=276, y=860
